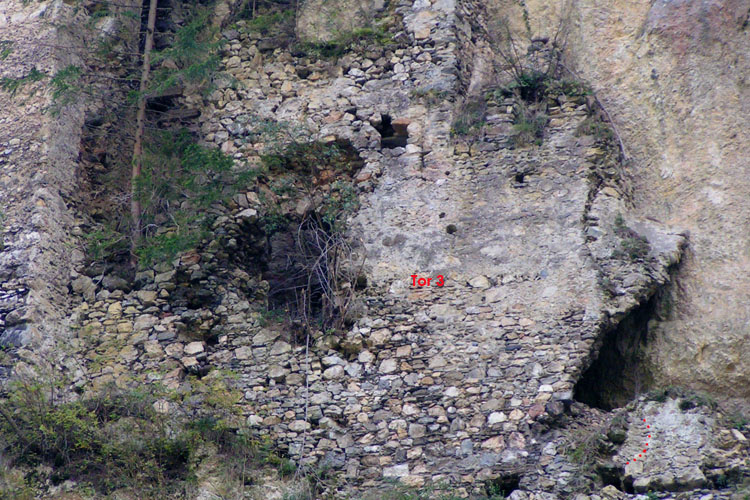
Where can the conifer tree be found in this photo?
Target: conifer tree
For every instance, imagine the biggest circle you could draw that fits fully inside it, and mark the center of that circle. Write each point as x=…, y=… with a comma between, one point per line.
x=135, y=204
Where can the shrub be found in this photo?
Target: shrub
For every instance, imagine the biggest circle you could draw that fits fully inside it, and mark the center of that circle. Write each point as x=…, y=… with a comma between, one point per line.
x=346, y=42
x=470, y=117
x=528, y=126
x=114, y=439
x=265, y=23
x=431, y=97
x=632, y=245
x=597, y=128
x=109, y=440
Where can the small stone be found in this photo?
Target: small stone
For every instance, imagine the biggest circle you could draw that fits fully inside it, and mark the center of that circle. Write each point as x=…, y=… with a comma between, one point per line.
x=366, y=357
x=124, y=327
x=280, y=347
x=396, y=471
x=114, y=310
x=334, y=372
x=248, y=213
x=244, y=352
x=480, y=282
x=85, y=286
x=494, y=443
x=536, y=410
x=437, y=362
x=277, y=373
x=417, y=430
x=161, y=406
x=189, y=361
x=388, y=366
x=381, y=336
x=739, y=436
x=147, y=297
x=299, y=426
x=611, y=493
x=403, y=351
x=516, y=414
x=145, y=322
x=497, y=417
x=332, y=360
x=194, y=348
x=163, y=277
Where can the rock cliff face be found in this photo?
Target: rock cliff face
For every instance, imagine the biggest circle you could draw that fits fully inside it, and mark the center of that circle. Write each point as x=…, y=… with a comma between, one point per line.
x=474, y=379
x=674, y=74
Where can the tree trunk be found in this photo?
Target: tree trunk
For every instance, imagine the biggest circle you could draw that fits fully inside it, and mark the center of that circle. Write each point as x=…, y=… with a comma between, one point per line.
x=135, y=204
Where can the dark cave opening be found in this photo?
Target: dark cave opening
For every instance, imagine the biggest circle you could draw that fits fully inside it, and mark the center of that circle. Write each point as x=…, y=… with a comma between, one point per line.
x=503, y=485
x=619, y=373
x=392, y=135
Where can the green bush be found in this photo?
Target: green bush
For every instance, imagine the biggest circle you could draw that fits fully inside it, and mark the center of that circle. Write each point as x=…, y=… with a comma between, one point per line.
x=114, y=439
x=346, y=42
x=179, y=182
x=597, y=128
x=632, y=245
x=109, y=440
x=12, y=85
x=470, y=118
x=568, y=87
x=265, y=23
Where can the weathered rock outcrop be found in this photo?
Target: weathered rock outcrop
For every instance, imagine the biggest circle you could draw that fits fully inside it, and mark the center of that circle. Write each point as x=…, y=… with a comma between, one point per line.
x=674, y=74
x=546, y=254
x=449, y=383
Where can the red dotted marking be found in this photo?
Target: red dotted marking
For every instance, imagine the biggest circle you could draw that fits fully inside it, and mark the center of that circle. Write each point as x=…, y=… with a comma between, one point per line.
x=645, y=449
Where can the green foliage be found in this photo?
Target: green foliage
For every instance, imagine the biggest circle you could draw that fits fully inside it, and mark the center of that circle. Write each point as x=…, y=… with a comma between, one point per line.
x=739, y=421
x=528, y=125
x=531, y=86
x=6, y=48
x=347, y=41
x=470, y=118
x=271, y=316
x=265, y=23
x=194, y=53
x=114, y=439
x=274, y=222
x=65, y=88
x=632, y=245
x=568, y=87
x=109, y=440
x=342, y=201
x=105, y=243
x=164, y=247
x=12, y=85
x=585, y=446
x=305, y=157
x=652, y=496
x=179, y=181
x=597, y=128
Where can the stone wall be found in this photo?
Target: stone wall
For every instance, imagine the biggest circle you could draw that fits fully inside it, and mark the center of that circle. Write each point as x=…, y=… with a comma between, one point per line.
x=42, y=181
x=457, y=383
x=38, y=176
